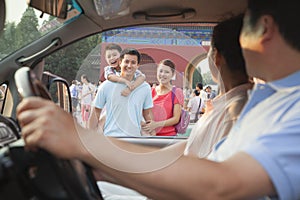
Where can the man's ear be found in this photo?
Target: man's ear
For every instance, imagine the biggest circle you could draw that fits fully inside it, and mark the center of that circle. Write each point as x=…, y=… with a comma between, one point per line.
x=218, y=58
x=268, y=26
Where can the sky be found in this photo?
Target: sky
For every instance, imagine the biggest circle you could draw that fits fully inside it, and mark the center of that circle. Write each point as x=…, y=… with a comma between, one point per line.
x=15, y=10
x=18, y=6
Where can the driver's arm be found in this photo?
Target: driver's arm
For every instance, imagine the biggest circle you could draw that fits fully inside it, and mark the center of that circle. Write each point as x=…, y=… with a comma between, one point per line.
x=240, y=177
x=180, y=177
x=163, y=174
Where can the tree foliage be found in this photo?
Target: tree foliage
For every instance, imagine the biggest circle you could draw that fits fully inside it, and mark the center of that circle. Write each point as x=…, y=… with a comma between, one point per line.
x=17, y=36
x=67, y=62
x=197, y=77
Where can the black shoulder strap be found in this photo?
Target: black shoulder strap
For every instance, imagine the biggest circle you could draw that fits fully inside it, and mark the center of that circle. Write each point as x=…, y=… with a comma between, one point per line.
x=198, y=107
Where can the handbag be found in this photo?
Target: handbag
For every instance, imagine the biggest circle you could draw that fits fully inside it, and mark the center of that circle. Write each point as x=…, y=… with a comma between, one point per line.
x=184, y=117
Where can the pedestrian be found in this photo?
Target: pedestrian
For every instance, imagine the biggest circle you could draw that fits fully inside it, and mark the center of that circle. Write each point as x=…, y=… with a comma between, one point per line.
x=74, y=95
x=87, y=92
x=166, y=110
x=195, y=106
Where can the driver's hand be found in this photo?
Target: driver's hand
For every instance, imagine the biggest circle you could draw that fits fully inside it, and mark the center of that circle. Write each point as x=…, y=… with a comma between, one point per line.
x=45, y=125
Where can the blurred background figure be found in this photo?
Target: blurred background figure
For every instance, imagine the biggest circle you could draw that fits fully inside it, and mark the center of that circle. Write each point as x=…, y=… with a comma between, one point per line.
x=195, y=106
x=74, y=90
x=87, y=94
x=199, y=87
x=210, y=93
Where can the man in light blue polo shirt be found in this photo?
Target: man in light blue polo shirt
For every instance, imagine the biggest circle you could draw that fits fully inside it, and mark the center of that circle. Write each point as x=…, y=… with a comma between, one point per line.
x=268, y=128
x=124, y=114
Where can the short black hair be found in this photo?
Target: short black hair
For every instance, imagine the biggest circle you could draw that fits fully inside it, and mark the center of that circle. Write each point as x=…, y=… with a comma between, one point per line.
x=225, y=39
x=196, y=92
x=285, y=14
x=130, y=51
x=199, y=85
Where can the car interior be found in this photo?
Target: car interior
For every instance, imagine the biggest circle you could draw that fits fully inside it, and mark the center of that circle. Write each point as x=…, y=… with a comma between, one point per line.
x=70, y=41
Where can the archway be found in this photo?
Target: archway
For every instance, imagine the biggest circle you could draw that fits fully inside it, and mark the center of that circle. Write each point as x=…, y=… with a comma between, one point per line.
x=189, y=78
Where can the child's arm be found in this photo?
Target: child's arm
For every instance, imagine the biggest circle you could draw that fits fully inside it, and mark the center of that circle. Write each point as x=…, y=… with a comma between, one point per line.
x=110, y=74
x=138, y=81
x=140, y=78
x=116, y=78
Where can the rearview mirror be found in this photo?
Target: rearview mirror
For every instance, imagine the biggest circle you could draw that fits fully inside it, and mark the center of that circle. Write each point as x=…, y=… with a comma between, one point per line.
x=59, y=90
x=57, y=8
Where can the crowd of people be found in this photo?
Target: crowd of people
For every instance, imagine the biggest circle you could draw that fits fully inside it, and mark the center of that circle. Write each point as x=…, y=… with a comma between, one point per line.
x=165, y=112
x=114, y=98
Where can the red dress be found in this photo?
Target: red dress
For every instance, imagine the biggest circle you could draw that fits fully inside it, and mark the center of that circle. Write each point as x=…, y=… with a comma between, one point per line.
x=162, y=109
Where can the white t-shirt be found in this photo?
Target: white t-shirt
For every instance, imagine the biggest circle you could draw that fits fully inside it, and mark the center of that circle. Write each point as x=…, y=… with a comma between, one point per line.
x=86, y=88
x=203, y=95
x=194, y=105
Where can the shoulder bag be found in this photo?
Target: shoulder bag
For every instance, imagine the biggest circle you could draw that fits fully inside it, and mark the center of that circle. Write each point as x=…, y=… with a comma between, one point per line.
x=184, y=117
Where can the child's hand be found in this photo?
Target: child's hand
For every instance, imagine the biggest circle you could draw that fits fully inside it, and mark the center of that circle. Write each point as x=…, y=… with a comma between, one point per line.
x=125, y=92
x=128, y=84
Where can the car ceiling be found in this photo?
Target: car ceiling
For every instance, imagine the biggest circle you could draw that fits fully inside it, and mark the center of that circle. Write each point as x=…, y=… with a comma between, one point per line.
x=167, y=11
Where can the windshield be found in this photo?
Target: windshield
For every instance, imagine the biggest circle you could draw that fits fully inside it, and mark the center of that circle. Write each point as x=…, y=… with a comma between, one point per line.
x=185, y=44
x=23, y=25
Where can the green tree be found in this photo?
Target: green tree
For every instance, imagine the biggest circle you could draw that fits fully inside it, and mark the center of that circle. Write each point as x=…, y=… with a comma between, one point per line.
x=207, y=79
x=67, y=61
x=17, y=36
x=197, y=77
x=27, y=29
x=8, y=39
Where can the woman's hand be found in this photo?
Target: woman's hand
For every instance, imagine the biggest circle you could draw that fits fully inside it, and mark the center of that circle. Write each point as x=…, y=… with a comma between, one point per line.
x=150, y=126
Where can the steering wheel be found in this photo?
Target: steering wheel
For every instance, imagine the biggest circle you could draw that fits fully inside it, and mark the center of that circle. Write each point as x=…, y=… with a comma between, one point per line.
x=51, y=178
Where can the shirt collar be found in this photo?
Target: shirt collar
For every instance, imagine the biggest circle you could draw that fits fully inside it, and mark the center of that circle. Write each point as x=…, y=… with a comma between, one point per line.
x=290, y=82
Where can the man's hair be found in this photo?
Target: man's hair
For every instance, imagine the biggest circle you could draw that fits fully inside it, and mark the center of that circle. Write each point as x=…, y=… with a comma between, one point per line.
x=208, y=87
x=199, y=85
x=225, y=39
x=130, y=51
x=196, y=92
x=285, y=14
x=168, y=63
x=113, y=46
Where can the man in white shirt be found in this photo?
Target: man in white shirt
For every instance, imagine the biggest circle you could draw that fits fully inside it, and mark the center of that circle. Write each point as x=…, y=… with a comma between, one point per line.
x=195, y=106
